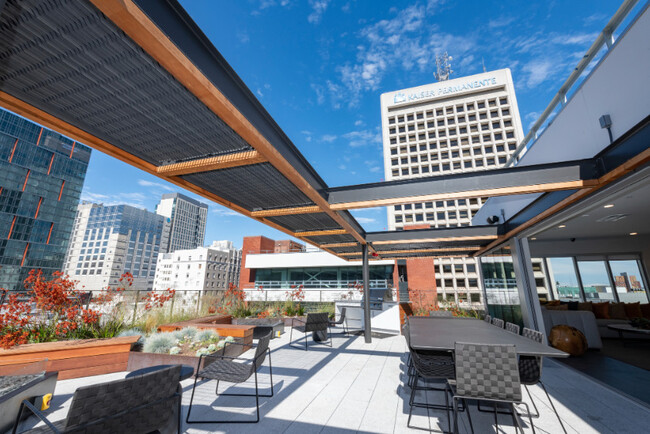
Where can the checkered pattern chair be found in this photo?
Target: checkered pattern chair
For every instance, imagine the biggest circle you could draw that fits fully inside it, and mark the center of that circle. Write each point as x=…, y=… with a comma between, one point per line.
x=512, y=328
x=530, y=372
x=498, y=322
x=487, y=373
x=487, y=318
x=217, y=366
x=316, y=322
x=142, y=404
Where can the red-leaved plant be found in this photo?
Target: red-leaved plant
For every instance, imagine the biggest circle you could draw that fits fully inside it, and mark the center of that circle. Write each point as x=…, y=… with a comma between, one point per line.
x=50, y=309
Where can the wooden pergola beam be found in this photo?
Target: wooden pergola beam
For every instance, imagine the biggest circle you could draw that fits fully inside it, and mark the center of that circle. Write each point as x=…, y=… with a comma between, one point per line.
x=211, y=163
x=332, y=245
x=437, y=240
x=321, y=233
x=310, y=209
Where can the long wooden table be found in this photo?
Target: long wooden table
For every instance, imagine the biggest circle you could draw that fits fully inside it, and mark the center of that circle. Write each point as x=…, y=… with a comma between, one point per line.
x=430, y=333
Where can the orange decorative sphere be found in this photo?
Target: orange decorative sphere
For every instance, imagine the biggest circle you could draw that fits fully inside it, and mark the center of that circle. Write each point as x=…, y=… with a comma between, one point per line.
x=568, y=339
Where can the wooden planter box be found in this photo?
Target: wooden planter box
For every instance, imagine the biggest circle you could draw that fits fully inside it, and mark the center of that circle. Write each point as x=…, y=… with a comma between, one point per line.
x=216, y=323
x=75, y=358
x=138, y=360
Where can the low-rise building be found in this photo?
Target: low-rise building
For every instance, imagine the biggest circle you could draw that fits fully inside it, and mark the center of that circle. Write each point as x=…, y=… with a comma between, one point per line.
x=205, y=268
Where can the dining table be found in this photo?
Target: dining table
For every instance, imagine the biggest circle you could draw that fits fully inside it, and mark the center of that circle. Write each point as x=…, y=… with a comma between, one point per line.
x=435, y=333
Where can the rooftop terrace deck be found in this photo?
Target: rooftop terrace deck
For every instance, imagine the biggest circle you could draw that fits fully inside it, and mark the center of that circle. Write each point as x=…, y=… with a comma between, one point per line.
x=357, y=387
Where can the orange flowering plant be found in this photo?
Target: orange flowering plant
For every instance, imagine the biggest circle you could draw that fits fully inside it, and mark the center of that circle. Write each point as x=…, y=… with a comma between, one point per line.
x=53, y=309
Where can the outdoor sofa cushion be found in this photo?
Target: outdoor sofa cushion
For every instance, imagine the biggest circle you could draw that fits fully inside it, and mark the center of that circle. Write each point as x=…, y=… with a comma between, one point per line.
x=601, y=310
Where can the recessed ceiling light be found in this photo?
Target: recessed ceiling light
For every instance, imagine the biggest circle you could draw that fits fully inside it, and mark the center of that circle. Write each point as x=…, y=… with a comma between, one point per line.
x=562, y=226
x=609, y=205
x=533, y=239
x=634, y=233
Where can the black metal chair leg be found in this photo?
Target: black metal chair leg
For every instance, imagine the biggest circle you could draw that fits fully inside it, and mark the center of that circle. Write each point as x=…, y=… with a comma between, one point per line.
x=408, y=422
x=496, y=418
x=270, y=370
x=189, y=410
x=456, y=415
x=553, y=407
x=306, y=344
x=515, y=419
x=257, y=398
x=469, y=417
x=216, y=390
x=180, y=409
x=533, y=402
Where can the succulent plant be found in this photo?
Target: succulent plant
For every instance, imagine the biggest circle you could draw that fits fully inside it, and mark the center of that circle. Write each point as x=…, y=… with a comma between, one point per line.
x=206, y=336
x=159, y=343
x=185, y=334
x=202, y=352
x=174, y=350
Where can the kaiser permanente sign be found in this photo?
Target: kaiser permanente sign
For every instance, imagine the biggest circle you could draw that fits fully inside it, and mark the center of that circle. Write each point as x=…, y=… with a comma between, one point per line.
x=445, y=89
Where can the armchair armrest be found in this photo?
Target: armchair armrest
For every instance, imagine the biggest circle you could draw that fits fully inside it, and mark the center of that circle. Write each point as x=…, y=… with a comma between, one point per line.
x=297, y=319
x=36, y=412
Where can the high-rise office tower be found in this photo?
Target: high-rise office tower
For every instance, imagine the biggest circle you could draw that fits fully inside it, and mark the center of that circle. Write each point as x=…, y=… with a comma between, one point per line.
x=462, y=125
x=187, y=216
x=41, y=177
x=108, y=241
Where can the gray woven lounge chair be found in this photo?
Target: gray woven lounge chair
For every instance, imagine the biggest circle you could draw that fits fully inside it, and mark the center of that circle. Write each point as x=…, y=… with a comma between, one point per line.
x=224, y=368
x=487, y=373
x=142, y=404
x=316, y=322
x=512, y=328
x=498, y=322
x=341, y=321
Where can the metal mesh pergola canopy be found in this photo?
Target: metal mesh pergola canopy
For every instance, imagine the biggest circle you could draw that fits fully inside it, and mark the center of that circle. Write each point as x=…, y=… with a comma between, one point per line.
x=138, y=80
x=66, y=58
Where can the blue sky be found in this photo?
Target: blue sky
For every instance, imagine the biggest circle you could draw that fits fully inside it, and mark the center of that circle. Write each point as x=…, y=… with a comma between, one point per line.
x=319, y=67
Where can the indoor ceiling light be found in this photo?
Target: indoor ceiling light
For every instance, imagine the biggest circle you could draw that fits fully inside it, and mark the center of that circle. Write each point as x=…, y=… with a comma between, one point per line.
x=610, y=205
x=634, y=233
x=562, y=226
x=533, y=239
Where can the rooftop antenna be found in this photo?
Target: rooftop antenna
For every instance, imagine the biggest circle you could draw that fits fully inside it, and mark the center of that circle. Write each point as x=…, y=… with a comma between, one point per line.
x=443, y=67
x=483, y=62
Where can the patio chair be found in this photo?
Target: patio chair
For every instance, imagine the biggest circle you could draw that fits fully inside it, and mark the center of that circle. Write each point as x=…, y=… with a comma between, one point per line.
x=512, y=328
x=441, y=314
x=530, y=372
x=341, y=321
x=316, y=322
x=431, y=365
x=498, y=322
x=487, y=319
x=141, y=404
x=487, y=373
x=224, y=368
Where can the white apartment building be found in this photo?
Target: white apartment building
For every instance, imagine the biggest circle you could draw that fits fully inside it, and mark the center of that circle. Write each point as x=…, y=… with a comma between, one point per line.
x=462, y=125
x=187, y=217
x=108, y=241
x=203, y=268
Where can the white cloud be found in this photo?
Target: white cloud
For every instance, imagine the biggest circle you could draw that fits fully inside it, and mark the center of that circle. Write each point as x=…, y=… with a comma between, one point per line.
x=362, y=138
x=328, y=138
x=358, y=123
x=365, y=220
x=259, y=92
x=320, y=93
x=408, y=41
x=375, y=169
x=145, y=183
x=500, y=22
x=225, y=212
x=318, y=9
x=538, y=71
x=134, y=199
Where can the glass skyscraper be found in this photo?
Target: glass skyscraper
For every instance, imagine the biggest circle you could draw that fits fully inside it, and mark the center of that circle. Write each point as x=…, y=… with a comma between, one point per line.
x=108, y=241
x=41, y=177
